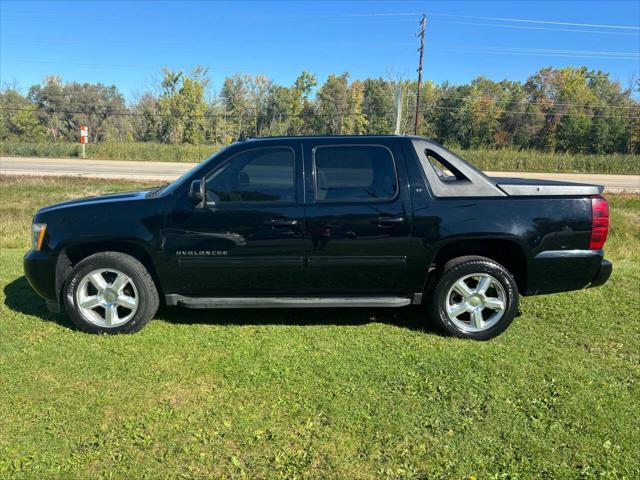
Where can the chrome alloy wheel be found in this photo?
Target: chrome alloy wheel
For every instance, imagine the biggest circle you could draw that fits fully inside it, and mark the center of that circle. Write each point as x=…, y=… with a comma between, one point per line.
x=107, y=298
x=476, y=302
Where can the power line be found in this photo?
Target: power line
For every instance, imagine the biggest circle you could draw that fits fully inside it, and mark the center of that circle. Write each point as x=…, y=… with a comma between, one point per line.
x=384, y=15
x=379, y=45
x=182, y=48
x=500, y=19
x=544, y=22
x=537, y=54
x=390, y=17
x=541, y=50
x=434, y=22
x=359, y=15
x=476, y=49
x=94, y=64
x=47, y=14
x=526, y=27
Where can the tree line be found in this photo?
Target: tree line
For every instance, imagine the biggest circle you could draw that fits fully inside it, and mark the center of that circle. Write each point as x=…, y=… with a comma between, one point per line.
x=566, y=109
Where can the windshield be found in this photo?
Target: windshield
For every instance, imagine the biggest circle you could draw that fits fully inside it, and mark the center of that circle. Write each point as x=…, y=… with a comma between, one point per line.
x=171, y=187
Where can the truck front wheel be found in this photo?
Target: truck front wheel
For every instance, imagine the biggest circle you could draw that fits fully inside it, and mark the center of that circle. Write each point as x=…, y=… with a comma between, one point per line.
x=475, y=298
x=110, y=292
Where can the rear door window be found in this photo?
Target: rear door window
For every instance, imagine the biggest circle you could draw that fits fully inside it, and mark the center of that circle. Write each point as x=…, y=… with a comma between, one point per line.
x=352, y=173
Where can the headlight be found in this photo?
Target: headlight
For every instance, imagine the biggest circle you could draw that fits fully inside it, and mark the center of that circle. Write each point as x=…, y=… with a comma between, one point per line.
x=37, y=235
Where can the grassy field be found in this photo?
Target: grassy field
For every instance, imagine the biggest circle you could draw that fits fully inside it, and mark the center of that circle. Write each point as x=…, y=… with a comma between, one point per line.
x=113, y=151
x=364, y=394
x=492, y=160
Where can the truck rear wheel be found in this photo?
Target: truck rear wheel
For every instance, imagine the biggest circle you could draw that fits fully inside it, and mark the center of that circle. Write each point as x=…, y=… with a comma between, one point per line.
x=475, y=298
x=110, y=292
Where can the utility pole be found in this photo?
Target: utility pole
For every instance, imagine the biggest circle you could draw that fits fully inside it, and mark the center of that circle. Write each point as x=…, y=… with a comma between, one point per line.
x=423, y=26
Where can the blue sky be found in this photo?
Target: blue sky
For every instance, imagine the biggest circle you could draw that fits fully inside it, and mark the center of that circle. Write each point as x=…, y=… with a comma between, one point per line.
x=127, y=43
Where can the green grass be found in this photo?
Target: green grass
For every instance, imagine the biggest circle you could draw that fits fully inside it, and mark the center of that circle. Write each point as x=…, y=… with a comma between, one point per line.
x=492, y=160
x=318, y=394
x=113, y=151
x=507, y=160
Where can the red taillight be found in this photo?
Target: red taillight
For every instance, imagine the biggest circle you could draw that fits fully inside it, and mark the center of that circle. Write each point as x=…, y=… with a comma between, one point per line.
x=599, y=222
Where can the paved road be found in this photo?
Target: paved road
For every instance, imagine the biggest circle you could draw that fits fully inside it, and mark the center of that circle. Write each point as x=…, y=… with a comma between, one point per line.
x=166, y=171
x=93, y=168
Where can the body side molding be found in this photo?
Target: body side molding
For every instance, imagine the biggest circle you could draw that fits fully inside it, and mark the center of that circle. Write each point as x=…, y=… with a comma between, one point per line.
x=356, y=261
x=240, y=261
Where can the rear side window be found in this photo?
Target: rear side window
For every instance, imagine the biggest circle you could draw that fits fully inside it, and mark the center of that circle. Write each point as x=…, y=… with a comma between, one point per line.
x=354, y=173
x=442, y=167
x=258, y=175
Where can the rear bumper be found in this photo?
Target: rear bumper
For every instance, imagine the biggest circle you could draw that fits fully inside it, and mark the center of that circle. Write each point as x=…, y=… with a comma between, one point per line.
x=554, y=271
x=606, y=267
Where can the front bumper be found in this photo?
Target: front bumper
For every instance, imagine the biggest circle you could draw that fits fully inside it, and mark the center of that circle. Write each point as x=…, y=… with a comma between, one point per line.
x=40, y=270
x=604, y=272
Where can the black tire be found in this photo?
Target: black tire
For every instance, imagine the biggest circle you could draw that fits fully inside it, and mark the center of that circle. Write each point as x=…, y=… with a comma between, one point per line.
x=145, y=292
x=459, y=268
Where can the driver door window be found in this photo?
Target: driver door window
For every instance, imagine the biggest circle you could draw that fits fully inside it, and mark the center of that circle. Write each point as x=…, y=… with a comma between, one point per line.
x=259, y=175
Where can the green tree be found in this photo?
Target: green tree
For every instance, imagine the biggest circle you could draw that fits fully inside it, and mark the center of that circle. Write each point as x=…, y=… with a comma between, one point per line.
x=334, y=99
x=356, y=122
x=182, y=106
x=521, y=121
x=18, y=118
x=572, y=133
x=378, y=106
x=301, y=109
x=145, y=120
x=565, y=109
x=479, y=114
x=634, y=122
x=446, y=124
x=63, y=107
x=235, y=102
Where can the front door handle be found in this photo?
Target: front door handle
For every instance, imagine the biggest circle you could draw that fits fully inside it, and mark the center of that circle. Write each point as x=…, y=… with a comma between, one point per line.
x=387, y=221
x=282, y=222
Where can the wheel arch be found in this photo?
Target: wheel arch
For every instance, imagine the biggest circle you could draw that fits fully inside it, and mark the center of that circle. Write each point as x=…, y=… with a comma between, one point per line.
x=71, y=254
x=507, y=252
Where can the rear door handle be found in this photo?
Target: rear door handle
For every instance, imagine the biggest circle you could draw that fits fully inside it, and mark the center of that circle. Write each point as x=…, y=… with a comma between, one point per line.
x=388, y=220
x=282, y=222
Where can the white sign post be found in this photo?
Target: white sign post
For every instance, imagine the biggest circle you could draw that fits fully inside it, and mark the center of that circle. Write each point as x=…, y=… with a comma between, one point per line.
x=84, y=137
x=398, y=110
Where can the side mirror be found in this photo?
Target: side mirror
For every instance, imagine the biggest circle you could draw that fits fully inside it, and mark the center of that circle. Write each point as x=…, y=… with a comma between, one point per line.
x=196, y=191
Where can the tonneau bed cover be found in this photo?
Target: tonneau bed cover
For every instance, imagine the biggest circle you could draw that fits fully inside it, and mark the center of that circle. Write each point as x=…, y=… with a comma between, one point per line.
x=516, y=187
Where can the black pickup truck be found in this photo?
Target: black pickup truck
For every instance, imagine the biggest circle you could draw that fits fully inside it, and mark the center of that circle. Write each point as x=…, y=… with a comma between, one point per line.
x=354, y=221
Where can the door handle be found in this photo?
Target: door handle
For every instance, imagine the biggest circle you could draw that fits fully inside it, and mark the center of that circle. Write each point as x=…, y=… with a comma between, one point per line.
x=282, y=222
x=388, y=221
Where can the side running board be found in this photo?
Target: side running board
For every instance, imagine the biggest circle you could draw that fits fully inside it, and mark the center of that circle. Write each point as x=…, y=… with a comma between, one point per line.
x=285, y=302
